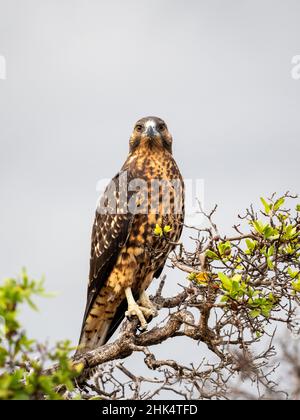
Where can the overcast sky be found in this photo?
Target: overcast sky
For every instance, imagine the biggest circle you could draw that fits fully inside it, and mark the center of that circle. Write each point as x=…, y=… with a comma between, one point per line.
x=78, y=76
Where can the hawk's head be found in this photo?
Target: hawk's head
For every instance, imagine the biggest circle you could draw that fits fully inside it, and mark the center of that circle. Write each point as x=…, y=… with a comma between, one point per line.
x=151, y=132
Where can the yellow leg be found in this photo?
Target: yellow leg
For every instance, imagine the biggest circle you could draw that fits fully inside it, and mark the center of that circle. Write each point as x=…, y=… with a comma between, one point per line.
x=134, y=309
x=145, y=302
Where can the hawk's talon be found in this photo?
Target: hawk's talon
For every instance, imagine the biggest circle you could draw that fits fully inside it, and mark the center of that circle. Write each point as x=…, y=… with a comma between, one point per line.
x=145, y=302
x=144, y=309
x=136, y=310
x=148, y=313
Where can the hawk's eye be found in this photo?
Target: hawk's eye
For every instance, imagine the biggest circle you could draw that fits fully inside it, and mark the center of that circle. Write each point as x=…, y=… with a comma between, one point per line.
x=161, y=127
x=139, y=128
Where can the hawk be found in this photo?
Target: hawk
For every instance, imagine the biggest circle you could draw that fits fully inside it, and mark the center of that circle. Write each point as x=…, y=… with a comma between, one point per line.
x=138, y=222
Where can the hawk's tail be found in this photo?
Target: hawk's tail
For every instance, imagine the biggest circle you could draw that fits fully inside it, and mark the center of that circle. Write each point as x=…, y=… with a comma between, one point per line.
x=91, y=339
x=100, y=325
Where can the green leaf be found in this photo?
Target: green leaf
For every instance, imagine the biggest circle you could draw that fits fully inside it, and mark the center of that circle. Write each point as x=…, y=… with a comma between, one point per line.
x=251, y=244
x=224, y=248
x=271, y=251
x=289, y=249
x=265, y=310
x=292, y=274
x=258, y=226
x=266, y=205
x=32, y=305
x=226, y=281
x=290, y=232
x=279, y=203
x=212, y=255
x=296, y=285
x=255, y=313
x=191, y=276
x=237, y=278
x=268, y=231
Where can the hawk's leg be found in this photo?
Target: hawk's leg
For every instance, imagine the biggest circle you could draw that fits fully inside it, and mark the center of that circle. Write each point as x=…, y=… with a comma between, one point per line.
x=136, y=310
x=145, y=302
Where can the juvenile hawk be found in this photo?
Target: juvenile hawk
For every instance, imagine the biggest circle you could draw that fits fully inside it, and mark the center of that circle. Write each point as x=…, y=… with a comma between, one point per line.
x=137, y=224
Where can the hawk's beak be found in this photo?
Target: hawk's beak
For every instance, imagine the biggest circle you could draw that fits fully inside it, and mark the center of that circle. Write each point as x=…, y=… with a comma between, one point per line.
x=150, y=132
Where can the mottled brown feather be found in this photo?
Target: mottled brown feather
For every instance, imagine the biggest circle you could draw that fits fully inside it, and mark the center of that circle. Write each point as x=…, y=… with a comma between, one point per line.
x=103, y=258
x=126, y=242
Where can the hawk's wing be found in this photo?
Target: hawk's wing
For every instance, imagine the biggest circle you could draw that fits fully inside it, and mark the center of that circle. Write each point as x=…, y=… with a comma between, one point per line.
x=110, y=232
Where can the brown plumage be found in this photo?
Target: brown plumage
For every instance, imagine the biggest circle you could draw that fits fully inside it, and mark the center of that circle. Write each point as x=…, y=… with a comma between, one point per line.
x=126, y=252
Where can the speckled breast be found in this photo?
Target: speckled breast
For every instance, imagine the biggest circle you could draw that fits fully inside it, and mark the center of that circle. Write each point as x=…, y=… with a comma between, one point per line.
x=157, y=226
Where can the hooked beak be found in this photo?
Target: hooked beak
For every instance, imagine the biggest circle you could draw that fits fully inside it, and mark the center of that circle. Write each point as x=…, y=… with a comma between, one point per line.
x=150, y=132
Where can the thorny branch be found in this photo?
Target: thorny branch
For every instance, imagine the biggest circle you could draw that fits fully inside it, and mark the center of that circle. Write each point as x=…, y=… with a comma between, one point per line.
x=241, y=287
